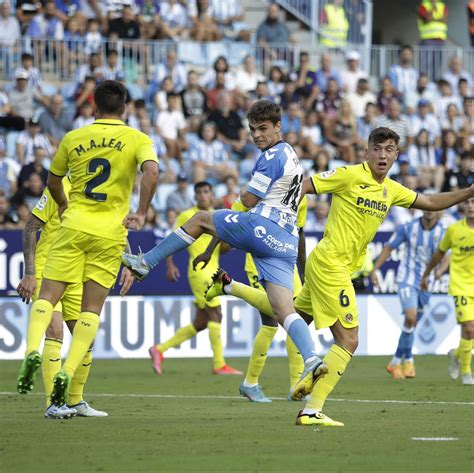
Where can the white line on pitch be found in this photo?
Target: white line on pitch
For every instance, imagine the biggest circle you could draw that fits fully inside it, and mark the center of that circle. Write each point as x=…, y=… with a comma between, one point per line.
x=435, y=439
x=184, y=396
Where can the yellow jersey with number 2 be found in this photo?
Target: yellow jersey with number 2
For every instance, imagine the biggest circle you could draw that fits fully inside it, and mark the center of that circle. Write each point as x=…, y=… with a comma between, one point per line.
x=102, y=160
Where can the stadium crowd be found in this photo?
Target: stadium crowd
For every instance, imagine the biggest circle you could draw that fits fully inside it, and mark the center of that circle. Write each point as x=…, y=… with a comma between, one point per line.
x=196, y=119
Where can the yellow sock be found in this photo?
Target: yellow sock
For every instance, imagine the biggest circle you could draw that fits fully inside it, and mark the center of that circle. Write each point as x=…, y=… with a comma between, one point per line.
x=465, y=355
x=216, y=344
x=40, y=317
x=255, y=297
x=337, y=360
x=79, y=380
x=295, y=361
x=84, y=333
x=181, y=335
x=261, y=345
x=51, y=364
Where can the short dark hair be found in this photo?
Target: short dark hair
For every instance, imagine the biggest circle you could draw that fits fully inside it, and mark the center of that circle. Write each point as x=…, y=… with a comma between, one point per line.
x=406, y=46
x=26, y=56
x=111, y=52
x=263, y=110
x=110, y=96
x=382, y=134
x=201, y=184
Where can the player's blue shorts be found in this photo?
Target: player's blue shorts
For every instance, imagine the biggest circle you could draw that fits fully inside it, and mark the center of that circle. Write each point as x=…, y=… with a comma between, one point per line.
x=273, y=248
x=412, y=297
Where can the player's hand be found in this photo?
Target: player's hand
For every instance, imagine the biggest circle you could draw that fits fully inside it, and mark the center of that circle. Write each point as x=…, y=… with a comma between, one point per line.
x=126, y=281
x=172, y=273
x=26, y=288
x=134, y=221
x=438, y=274
x=374, y=279
x=424, y=284
x=202, y=258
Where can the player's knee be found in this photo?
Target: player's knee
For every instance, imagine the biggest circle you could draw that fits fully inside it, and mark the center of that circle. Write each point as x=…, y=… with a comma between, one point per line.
x=55, y=330
x=468, y=330
x=200, y=325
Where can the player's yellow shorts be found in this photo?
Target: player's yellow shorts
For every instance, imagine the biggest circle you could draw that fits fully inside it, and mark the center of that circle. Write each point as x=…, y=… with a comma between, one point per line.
x=199, y=281
x=253, y=278
x=77, y=257
x=328, y=295
x=464, y=308
x=69, y=305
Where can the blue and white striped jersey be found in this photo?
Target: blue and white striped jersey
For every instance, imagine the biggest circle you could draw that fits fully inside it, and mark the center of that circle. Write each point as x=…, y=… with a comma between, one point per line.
x=276, y=179
x=420, y=244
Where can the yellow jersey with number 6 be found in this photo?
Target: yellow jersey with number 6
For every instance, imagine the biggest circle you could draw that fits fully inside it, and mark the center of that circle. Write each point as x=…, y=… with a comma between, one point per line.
x=102, y=160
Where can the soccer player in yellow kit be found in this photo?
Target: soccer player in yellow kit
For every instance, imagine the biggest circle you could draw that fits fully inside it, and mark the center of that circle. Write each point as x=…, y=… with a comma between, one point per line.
x=102, y=160
x=208, y=313
x=44, y=217
x=250, y=387
x=459, y=238
x=362, y=196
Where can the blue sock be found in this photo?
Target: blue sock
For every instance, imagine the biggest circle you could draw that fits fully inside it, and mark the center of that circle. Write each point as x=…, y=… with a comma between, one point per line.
x=405, y=343
x=174, y=242
x=298, y=331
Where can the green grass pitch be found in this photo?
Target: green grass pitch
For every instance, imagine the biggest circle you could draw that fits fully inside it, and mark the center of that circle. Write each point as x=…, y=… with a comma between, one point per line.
x=189, y=420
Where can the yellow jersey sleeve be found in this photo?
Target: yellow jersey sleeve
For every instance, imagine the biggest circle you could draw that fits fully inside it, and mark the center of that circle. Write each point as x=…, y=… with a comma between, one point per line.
x=238, y=206
x=403, y=197
x=334, y=181
x=145, y=150
x=302, y=212
x=184, y=216
x=59, y=165
x=446, y=242
x=45, y=208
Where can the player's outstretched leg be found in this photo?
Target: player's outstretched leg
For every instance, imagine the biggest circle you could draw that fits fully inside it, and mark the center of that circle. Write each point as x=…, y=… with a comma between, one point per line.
x=26, y=378
x=403, y=353
x=295, y=364
x=61, y=383
x=60, y=412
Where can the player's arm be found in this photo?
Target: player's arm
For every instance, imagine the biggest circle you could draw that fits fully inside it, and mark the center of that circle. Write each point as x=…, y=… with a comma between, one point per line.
x=148, y=183
x=206, y=256
x=55, y=187
x=444, y=200
x=248, y=199
x=302, y=252
x=435, y=260
x=27, y=285
x=443, y=266
x=387, y=250
x=172, y=271
x=126, y=276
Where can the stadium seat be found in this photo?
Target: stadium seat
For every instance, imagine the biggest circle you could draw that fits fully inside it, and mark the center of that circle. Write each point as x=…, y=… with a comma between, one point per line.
x=190, y=52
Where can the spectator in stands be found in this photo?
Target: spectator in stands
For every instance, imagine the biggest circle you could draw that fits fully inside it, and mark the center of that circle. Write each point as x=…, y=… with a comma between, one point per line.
x=247, y=76
x=26, y=10
x=22, y=97
x=453, y=120
x=455, y=73
x=30, y=193
x=231, y=195
x=361, y=97
x=321, y=161
x=209, y=156
x=424, y=120
x=161, y=97
x=67, y=9
x=261, y=93
x=421, y=154
x=171, y=68
x=403, y=75
x=432, y=23
x=327, y=72
x=276, y=81
x=93, y=38
x=291, y=120
x=463, y=89
x=8, y=119
x=193, y=97
x=125, y=26
x=46, y=24
x=331, y=100
x=398, y=123
x=29, y=139
x=444, y=98
x=334, y=25
x=9, y=34
x=387, y=92
x=311, y=134
x=36, y=166
x=6, y=220
x=180, y=199
x=74, y=43
x=85, y=116
x=289, y=94
x=425, y=89
x=92, y=68
x=175, y=20
x=351, y=75
x=56, y=120
x=304, y=76
x=204, y=25
x=272, y=30
x=229, y=15
x=171, y=125
x=85, y=92
x=149, y=18
x=447, y=156
x=229, y=126
x=9, y=170
x=208, y=80
x=341, y=132
x=318, y=218
x=111, y=69
x=366, y=124
x=213, y=94
x=27, y=64
x=356, y=15
x=464, y=177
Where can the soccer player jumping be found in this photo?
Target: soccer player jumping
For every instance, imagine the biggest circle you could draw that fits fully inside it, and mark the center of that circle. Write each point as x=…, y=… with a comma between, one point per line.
x=268, y=231
x=362, y=196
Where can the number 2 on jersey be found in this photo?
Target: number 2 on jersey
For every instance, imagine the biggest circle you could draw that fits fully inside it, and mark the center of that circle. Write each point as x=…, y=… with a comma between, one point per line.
x=96, y=181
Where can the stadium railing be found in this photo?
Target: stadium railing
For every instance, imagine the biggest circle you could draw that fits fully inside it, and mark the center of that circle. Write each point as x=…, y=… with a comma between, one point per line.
x=59, y=60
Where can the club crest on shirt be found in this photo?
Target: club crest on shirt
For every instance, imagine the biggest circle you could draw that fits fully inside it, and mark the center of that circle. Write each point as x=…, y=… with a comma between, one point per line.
x=384, y=192
x=326, y=174
x=349, y=317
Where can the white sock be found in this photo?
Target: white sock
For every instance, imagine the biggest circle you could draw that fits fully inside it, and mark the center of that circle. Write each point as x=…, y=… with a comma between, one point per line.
x=246, y=384
x=396, y=361
x=309, y=411
x=227, y=288
x=409, y=360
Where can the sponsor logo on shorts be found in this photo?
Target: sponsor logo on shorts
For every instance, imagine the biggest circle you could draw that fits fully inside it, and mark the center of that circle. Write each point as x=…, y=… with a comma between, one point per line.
x=278, y=245
x=260, y=231
x=349, y=317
